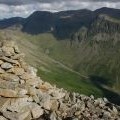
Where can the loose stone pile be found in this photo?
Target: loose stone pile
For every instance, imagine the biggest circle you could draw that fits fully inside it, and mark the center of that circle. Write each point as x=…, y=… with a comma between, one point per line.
x=24, y=96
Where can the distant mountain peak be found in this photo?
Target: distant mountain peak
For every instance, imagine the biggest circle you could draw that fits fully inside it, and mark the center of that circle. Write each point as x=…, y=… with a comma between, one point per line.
x=64, y=23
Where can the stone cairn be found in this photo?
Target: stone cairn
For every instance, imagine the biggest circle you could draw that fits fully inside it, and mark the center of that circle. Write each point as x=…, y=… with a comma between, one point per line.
x=24, y=96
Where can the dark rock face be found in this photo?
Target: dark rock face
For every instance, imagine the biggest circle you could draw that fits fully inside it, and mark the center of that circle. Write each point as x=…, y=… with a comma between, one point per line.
x=11, y=22
x=39, y=22
x=105, y=24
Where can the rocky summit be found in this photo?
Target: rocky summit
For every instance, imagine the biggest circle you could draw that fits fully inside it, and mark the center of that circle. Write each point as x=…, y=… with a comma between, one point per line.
x=24, y=96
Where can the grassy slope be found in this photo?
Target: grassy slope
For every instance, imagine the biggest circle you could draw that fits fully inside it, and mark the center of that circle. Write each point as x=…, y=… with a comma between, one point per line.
x=90, y=58
x=39, y=48
x=99, y=61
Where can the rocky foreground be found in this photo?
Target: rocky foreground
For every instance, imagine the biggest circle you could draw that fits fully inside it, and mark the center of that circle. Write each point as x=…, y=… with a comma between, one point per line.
x=24, y=96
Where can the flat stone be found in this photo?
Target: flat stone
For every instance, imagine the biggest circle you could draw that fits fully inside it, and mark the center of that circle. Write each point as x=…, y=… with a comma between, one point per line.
x=17, y=56
x=58, y=95
x=16, y=116
x=17, y=71
x=45, y=102
x=9, y=77
x=54, y=105
x=23, y=64
x=7, y=85
x=48, y=85
x=32, y=91
x=2, y=118
x=115, y=110
x=45, y=86
x=22, y=81
x=9, y=60
x=100, y=102
x=19, y=105
x=24, y=115
x=8, y=43
x=8, y=51
x=6, y=66
x=36, y=99
x=36, y=111
x=1, y=62
x=29, y=117
x=32, y=82
x=105, y=100
x=21, y=92
x=26, y=76
x=8, y=93
x=2, y=71
x=53, y=116
x=4, y=102
x=75, y=119
x=16, y=49
x=106, y=115
x=31, y=70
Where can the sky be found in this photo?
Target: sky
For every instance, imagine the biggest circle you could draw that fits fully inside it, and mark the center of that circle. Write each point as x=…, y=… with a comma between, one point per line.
x=23, y=8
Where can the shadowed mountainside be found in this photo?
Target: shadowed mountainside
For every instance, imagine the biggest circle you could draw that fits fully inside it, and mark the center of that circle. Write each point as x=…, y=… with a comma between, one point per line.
x=62, y=24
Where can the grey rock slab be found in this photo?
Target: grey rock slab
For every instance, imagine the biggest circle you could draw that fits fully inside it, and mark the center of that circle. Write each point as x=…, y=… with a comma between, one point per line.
x=36, y=99
x=32, y=82
x=115, y=110
x=2, y=71
x=53, y=116
x=17, y=56
x=8, y=51
x=32, y=91
x=46, y=102
x=4, y=102
x=19, y=104
x=9, y=77
x=36, y=111
x=9, y=43
x=16, y=49
x=7, y=85
x=6, y=66
x=6, y=59
x=2, y=118
x=21, y=92
x=31, y=70
x=16, y=70
x=54, y=105
x=1, y=62
x=8, y=93
x=16, y=116
x=58, y=95
x=26, y=76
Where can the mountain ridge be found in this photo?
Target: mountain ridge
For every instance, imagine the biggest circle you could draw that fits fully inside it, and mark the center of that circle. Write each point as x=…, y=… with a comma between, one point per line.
x=62, y=24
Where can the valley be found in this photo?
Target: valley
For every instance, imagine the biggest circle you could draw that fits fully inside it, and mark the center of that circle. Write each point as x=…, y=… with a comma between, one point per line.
x=74, y=53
